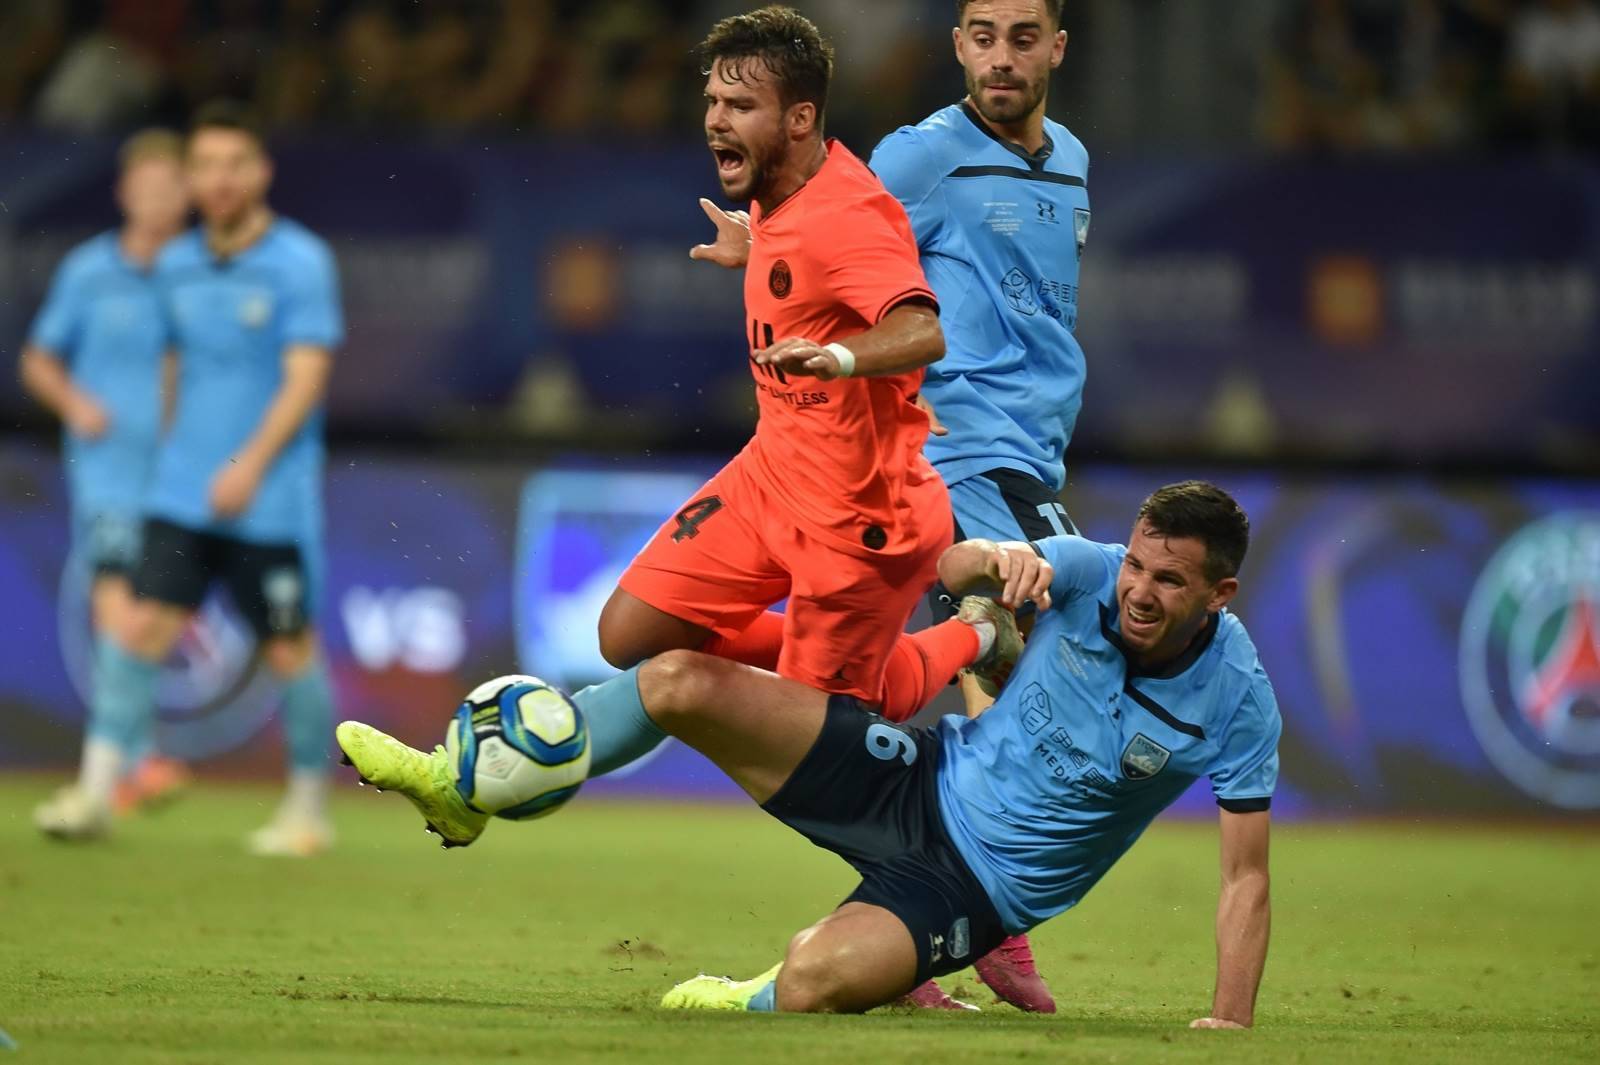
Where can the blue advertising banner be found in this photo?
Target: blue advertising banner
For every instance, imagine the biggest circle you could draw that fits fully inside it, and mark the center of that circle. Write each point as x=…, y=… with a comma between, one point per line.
x=1243, y=308
x=1435, y=645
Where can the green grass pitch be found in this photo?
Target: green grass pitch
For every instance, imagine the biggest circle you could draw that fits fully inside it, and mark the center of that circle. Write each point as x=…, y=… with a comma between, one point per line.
x=553, y=941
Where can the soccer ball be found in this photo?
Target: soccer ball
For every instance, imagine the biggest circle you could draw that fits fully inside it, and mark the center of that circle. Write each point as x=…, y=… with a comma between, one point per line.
x=518, y=748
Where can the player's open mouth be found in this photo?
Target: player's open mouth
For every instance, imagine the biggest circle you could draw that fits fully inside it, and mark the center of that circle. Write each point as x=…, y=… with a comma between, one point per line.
x=729, y=161
x=1139, y=621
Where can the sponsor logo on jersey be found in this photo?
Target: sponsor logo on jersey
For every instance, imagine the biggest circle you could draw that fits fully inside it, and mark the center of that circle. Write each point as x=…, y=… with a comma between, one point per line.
x=1144, y=758
x=1017, y=287
x=1047, y=213
x=1035, y=709
x=1530, y=660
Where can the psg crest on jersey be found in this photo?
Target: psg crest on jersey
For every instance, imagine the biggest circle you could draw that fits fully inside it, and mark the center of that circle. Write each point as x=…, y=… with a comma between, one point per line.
x=780, y=280
x=1144, y=758
x=1530, y=660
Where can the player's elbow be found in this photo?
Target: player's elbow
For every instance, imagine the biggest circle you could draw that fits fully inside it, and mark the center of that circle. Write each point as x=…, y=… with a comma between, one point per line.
x=932, y=343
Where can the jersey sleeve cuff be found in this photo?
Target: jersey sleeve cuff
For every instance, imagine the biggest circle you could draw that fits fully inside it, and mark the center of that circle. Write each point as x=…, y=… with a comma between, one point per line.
x=1246, y=806
x=910, y=295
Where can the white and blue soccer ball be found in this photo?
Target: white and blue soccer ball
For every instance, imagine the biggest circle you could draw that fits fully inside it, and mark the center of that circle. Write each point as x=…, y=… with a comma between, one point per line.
x=518, y=747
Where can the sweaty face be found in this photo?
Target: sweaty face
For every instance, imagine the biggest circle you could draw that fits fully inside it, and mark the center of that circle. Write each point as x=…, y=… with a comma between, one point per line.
x=1163, y=596
x=153, y=194
x=744, y=126
x=1008, y=48
x=228, y=174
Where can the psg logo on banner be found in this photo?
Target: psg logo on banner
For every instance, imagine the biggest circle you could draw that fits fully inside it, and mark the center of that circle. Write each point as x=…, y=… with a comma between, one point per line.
x=1530, y=660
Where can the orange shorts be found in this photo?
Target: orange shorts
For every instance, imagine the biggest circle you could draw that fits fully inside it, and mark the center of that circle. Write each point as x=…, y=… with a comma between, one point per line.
x=732, y=552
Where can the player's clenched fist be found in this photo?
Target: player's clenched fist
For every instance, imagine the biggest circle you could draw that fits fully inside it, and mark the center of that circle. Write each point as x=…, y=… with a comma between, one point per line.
x=1021, y=575
x=1012, y=573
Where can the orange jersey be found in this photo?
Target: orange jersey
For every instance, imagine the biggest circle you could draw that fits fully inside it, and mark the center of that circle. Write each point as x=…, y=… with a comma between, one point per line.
x=843, y=456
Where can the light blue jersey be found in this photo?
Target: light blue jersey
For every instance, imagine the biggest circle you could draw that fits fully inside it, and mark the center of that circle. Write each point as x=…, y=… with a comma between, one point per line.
x=1000, y=233
x=103, y=320
x=1053, y=784
x=231, y=321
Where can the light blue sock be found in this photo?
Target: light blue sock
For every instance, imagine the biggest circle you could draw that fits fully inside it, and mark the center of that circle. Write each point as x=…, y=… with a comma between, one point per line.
x=619, y=729
x=308, y=718
x=765, y=1000
x=124, y=696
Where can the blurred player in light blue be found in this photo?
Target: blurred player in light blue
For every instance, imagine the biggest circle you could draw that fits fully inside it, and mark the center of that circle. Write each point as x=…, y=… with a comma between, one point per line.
x=252, y=305
x=95, y=358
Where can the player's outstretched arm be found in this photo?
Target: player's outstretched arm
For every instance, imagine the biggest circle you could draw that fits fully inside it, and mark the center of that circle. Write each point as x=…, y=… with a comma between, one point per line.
x=1012, y=573
x=907, y=338
x=1244, y=920
x=732, y=246
x=46, y=379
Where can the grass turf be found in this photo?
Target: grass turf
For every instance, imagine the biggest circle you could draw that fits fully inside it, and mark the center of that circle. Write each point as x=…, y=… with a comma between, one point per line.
x=553, y=942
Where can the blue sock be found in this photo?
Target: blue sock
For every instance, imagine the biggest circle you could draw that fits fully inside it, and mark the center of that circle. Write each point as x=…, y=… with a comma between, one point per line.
x=308, y=718
x=619, y=729
x=765, y=1000
x=124, y=697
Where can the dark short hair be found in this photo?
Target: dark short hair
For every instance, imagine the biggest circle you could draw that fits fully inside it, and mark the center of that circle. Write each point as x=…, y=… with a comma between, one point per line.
x=1051, y=7
x=1201, y=511
x=785, y=42
x=228, y=114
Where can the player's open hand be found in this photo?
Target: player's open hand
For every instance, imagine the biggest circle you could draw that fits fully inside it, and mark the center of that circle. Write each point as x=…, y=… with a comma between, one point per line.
x=1021, y=575
x=85, y=417
x=732, y=246
x=234, y=487
x=799, y=357
x=1214, y=1022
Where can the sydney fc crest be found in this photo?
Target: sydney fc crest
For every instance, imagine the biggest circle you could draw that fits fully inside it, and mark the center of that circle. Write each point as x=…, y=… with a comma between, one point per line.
x=1530, y=660
x=1080, y=227
x=1143, y=758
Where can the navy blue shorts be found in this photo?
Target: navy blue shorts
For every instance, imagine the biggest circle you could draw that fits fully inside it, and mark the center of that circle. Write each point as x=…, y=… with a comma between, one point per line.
x=868, y=791
x=1001, y=505
x=267, y=582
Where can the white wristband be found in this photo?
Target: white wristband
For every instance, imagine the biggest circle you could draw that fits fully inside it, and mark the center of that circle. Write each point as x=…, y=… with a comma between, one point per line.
x=846, y=357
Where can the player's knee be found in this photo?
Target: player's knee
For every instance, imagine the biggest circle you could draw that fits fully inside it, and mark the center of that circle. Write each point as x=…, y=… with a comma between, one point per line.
x=809, y=981
x=677, y=685
x=288, y=656
x=146, y=630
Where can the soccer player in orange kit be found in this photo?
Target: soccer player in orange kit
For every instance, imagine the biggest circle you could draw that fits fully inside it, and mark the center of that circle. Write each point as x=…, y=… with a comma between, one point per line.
x=831, y=504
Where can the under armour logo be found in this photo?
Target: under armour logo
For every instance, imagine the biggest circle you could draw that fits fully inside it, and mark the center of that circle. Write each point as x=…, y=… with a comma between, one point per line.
x=1047, y=211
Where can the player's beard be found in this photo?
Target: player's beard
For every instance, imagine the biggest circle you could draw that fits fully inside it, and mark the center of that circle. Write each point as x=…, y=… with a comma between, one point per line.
x=1011, y=108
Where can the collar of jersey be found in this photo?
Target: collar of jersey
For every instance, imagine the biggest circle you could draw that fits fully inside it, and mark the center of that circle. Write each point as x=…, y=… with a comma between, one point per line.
x=1167, y=670
x=1035, y=160
x=828, y=142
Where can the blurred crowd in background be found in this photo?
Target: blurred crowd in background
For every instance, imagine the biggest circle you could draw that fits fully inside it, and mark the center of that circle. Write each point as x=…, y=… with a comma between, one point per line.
x=1338, y=75
x=1306, y=213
